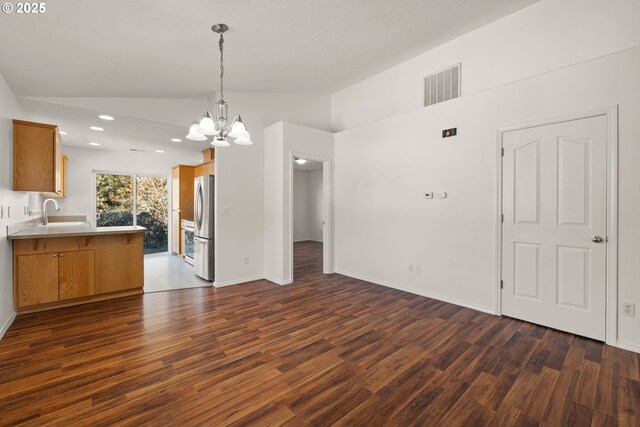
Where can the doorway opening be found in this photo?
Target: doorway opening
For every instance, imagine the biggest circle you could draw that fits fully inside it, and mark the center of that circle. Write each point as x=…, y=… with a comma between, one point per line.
x=307, y=202
x=123, y=199
x=310, y=217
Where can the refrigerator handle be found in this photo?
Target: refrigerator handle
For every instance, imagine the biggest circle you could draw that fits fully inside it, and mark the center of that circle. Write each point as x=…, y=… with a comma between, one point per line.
x=198, y=212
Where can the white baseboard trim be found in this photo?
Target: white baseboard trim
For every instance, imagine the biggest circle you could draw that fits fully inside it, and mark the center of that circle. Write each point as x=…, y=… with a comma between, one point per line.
x=626, y=345
x=7, y=324
x=237, y=281
x=418, y=292
x=277, y=281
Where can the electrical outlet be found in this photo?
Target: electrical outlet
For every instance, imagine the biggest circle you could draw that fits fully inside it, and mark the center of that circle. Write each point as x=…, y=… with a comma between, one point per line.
x=410, y=268
x=418, y=269
x=246, y=260
x=629, y=309
x=226, y=212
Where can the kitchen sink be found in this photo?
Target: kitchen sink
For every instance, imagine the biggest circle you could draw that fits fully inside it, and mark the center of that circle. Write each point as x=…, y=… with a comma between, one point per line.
x=65, y=224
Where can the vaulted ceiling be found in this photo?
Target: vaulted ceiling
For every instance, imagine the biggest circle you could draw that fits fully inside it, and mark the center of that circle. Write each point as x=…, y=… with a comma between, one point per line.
x=165, y=48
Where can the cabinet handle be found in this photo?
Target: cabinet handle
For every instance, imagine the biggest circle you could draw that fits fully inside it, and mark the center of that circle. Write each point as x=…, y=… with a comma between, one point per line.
x=61, y=255
x=54, y=255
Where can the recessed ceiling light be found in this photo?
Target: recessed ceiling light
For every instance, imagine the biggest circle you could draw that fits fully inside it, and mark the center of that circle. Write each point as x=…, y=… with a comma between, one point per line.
x=96, y=128
x=176, y=139
x=105, y=117
x=64, y=133
x=94, y=143
x=159, y=151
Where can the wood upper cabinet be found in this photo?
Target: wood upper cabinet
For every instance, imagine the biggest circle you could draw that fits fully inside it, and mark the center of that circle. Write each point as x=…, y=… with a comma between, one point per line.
x=37, y=160
x=37, y=279
x=63, y=173
x=76, y=274
x=206, y=168
x=181, y=202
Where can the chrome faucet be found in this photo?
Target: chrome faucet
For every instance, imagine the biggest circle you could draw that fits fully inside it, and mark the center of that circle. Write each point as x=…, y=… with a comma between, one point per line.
x=45, y=219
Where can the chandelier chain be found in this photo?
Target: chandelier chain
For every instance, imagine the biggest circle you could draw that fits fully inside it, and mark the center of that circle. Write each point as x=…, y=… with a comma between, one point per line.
x=221, y=46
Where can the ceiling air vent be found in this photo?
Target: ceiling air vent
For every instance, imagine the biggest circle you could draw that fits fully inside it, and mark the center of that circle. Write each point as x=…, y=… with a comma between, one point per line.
x=442, y=86
x=136, y=149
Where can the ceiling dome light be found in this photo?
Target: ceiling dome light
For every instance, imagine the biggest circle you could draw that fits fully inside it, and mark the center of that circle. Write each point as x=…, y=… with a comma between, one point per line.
x=220, y=141
x=95, y=144
x=160, y=151
x=193, y=132
x=301, y=161
x=105, y=117
x=64, y=133
x=176, y=140
x=207, y=126
x=96, y=128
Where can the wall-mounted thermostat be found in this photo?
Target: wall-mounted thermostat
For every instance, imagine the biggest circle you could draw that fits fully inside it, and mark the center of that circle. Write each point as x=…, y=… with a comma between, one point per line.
x=446, y=133
x=441, y=195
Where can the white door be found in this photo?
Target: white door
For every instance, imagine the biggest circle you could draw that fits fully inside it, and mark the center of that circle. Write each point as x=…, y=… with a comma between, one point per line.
x=553, y=234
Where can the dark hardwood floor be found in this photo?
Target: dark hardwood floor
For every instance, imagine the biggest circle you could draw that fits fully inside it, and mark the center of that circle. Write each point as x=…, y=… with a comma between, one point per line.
x=325, y=350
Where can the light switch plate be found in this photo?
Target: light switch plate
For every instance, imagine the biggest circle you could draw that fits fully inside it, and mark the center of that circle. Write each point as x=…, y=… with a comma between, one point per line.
x=428, y=195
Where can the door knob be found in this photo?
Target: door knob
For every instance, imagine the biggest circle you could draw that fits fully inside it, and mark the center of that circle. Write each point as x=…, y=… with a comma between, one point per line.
x=597, y=239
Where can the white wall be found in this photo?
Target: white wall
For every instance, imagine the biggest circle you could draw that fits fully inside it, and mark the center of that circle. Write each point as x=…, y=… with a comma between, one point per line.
x=83, y=161
x=241, y=180
x=548, y=35
x=383, y=223
x=9, y=109
x=301, y=206
x=315, y=205
x=282, y=141
x=307, y=205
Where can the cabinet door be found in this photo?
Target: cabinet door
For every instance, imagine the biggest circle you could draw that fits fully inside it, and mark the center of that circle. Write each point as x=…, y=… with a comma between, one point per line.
x=35, y=162
x=176, y=246
x=76, y=274
x=57, y=155
x=119, y=262
x=37, y=279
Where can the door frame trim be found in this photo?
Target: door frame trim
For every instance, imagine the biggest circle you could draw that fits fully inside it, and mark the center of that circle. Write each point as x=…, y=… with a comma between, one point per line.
x=611, y=278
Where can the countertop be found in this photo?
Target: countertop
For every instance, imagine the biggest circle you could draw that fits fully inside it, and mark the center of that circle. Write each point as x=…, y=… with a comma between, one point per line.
x=71, y=231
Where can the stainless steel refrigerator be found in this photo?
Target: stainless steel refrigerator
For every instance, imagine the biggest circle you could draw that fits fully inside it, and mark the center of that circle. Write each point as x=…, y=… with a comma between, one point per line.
x=204, y=232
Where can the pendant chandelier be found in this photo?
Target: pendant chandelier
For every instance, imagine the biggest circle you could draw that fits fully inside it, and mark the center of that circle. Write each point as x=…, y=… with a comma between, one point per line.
x=219, y=127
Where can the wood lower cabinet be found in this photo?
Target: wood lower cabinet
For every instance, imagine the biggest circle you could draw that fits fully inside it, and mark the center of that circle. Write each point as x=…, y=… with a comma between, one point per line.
x=37, y=278
x=76, y=274
x=117, y=266
x=49, y=272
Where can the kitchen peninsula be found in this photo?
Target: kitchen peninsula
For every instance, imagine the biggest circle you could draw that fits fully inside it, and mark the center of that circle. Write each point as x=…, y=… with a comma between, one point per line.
x=63, y=265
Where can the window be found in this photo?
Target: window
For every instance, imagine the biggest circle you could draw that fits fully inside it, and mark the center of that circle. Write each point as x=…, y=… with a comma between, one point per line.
x=129, y=199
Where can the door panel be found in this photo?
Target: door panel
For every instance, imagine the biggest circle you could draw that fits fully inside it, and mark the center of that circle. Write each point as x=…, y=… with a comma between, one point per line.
x=37, y=279
x=554, y=202
x=76, y=274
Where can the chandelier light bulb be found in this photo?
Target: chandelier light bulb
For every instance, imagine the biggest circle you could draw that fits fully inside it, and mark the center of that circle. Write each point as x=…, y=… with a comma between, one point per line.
x=207, y=125
x=193, y=132
x=220, y=141
x=244, y=140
